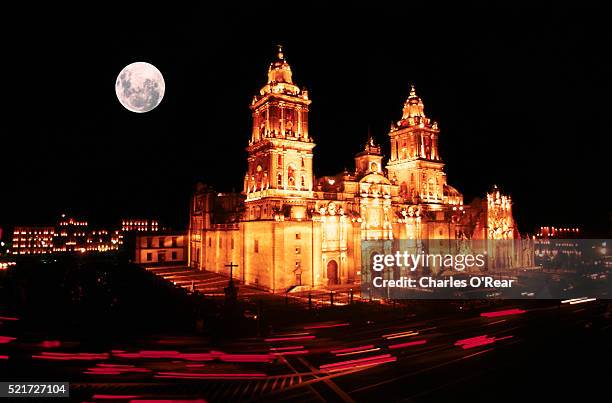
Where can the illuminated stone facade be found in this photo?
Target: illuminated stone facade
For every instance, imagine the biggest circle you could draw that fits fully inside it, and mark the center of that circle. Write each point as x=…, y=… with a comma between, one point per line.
x=289, y=229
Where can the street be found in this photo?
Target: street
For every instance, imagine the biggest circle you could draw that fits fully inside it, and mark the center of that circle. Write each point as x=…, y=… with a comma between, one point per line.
x=466, y=354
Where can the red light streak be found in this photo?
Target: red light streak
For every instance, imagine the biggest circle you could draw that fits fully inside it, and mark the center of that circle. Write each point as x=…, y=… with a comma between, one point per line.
x=51, y=343
x=158, y=354
x=294, y=352
x=496, y=322
x=411, y=343
x=210, y=356
x=116, y=365
x=68, y=356
x=361, y=362
x=191, y=375
x=290, y=338
x=6, y=339
x=127, y=355
x=4, y=357
x=293, y=334
x=478, y=341
x=470, y=340
x=478, y=353
x=399, y=335
x=199, y=356
x=8, y=318
x=359, y=351
x=286, y=348
x=171, y=355
x=348, y=350
x=114, y=369
x=475, y=341
x=502, y=313
x=246, y=357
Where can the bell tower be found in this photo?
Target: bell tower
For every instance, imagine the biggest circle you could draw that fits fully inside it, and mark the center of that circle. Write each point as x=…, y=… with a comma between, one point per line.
x=370, y=159
x=415, y=163
x=280, y=148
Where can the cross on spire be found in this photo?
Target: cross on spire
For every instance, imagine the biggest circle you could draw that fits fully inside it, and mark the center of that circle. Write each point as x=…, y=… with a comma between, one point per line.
x=412, y=91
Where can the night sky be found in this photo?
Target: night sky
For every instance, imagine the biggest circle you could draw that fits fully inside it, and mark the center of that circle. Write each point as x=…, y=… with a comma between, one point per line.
x=520, y=97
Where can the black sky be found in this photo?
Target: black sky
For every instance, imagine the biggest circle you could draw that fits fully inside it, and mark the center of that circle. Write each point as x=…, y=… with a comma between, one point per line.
x=521, y=98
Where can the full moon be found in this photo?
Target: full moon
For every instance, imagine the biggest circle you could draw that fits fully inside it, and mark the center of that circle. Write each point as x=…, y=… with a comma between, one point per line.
x=140, y=87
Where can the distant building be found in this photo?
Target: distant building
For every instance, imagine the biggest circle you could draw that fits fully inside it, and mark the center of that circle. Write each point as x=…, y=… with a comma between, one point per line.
x=161, y=248
x=70, y=235
x=139, y=225
x=33, y=240
x=559, y=244
x=558, y=232
x=103, y=240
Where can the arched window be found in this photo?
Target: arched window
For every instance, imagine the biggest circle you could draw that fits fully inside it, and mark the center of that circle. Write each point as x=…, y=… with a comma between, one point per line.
x=403, y=189
x=303, y=183
x=291, y=176
x=279, y=161
x=259, y=178
x=279, y=180
x=303, y=165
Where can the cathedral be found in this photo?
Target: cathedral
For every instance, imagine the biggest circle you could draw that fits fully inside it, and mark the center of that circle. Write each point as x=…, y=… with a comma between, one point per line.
x=289, y=229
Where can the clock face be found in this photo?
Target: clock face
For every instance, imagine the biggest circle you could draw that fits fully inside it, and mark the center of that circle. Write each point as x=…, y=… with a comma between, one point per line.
x=374, y=167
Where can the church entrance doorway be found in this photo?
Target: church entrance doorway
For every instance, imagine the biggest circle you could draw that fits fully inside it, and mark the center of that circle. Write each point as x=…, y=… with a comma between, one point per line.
x=332, y=272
